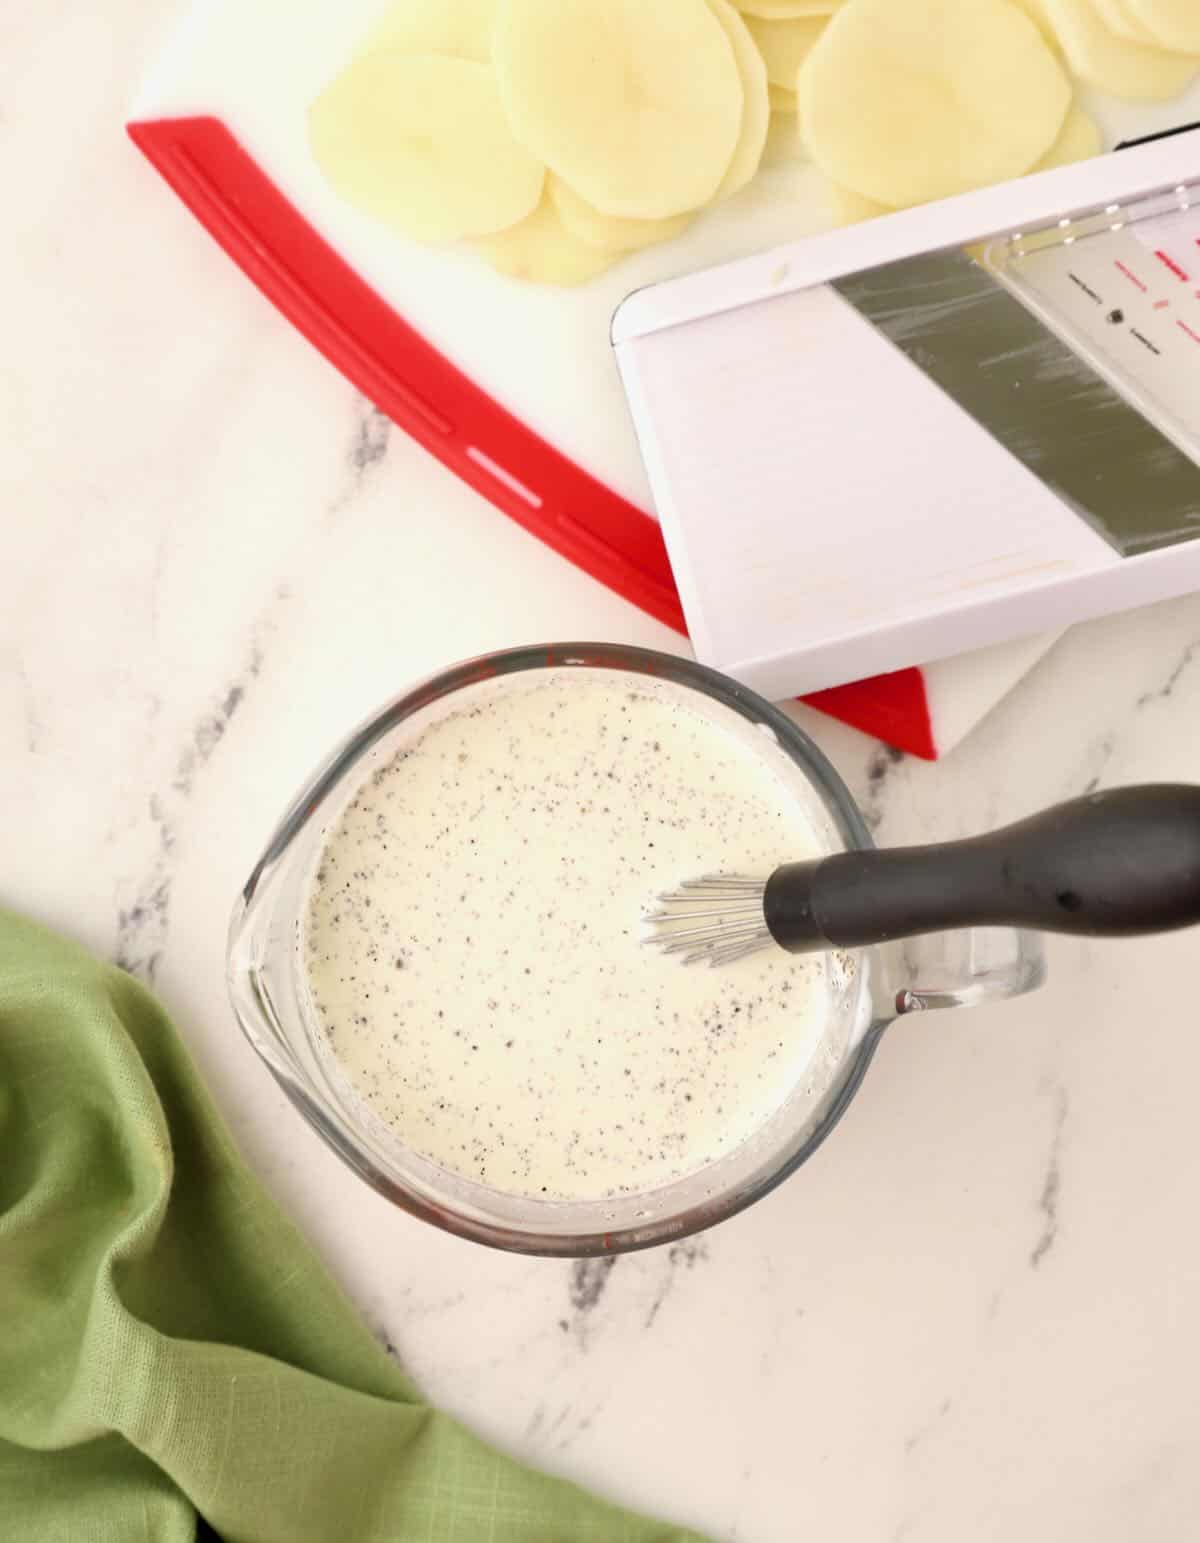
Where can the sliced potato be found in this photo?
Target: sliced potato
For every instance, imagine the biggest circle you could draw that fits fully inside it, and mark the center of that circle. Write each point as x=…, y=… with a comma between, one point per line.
x=847, y=207
x=1036, y=11
x=785, y=10
x=461, y=28
x=1119, y=19
x=784, y=145
x=781, y=99
x=785, y=45
x=1079, y=140
x=1131, y=71
x=638, y=106
x=422, y=142
x=756, y=106
x=1175, y=23
x=542, y=250
x=885, y=115
x=609, y=232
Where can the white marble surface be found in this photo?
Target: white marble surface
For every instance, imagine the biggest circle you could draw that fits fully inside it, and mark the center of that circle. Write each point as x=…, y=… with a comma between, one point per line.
x=973, y=1315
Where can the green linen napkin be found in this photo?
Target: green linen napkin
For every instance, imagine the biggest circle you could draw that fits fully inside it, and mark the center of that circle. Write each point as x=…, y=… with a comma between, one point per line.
x=172, y=1354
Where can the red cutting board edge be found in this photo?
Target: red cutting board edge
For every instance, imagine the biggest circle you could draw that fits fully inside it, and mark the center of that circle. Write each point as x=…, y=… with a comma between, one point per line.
x=442, y=408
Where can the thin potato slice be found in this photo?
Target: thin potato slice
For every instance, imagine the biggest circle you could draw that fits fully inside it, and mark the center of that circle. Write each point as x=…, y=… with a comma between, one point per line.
x=785, y=45
x=756, y=105
x=1036, y=11
x=787, y=10
x=461, y=28
x=782, y=100
x=609, y=232
x=1175, y=23
x=784, y=145
x=638, y=106
x=1120, y=20
x=422, y=142
x=883, y=114
x=1079, y=141
x=847, y=207
x=542, y=250
x=1131, y=71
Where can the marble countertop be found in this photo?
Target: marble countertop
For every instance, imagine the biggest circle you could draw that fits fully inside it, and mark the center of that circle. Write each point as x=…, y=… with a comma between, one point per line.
x=972, y=1315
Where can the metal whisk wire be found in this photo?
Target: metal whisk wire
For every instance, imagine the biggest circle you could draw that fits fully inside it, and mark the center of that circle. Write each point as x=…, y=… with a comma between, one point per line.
x=714, y=920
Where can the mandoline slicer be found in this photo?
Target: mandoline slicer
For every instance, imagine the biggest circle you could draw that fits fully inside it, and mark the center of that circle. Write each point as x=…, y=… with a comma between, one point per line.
x=943, y=428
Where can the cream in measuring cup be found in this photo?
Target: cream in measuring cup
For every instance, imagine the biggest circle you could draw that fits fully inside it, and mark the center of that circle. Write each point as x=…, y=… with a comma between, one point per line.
x=470, y=940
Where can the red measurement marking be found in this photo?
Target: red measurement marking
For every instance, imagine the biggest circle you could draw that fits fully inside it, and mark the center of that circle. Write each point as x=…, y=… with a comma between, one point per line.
x=1169, y=262
x=1131, y=276
x=1195, y=336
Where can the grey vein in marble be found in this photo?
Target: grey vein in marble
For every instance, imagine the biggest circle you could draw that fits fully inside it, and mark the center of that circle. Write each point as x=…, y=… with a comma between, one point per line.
x=883, y=762
x=1108, y=744
x=367, y=450
x=564, y=1428
x=909, y=1524
x=680, y=1257
x=579, y=1426
x=919, y=1437
x=1048, y=1200
x=1104, y=754
x=1163, y=692
x=143, y=927
x=210, y=730
x=371, y=439
x=589, y=1279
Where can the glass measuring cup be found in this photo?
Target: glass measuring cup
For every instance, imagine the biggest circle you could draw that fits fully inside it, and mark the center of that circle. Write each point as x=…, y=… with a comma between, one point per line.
x=866, y=989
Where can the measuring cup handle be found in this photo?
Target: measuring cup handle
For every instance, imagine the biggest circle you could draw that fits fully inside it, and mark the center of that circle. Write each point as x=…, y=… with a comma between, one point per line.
x=955, y=969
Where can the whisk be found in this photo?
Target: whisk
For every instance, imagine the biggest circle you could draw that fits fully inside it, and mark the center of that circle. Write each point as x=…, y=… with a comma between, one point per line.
x=1113, y=864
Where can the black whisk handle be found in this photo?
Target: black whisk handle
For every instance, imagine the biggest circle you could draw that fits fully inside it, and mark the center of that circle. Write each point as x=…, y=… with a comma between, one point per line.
x=1112, y=864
